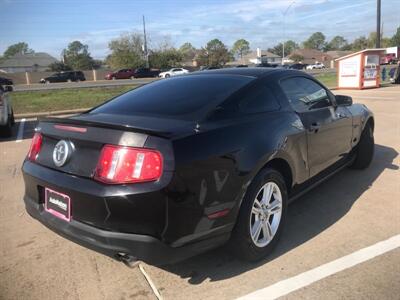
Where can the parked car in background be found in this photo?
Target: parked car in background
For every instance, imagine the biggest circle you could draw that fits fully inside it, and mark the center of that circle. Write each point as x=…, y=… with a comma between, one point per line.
x=6, y=111
x=145, y=72
x=317, y=65
x=389, y=58
x=180, y=166
x=297, y=66
x=173, y=72
x=67, y=76
x=120, y=74
x=203, y=68
x=6, y=81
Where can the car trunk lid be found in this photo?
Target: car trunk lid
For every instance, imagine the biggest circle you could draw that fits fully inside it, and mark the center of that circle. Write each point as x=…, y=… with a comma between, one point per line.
x=87, y=134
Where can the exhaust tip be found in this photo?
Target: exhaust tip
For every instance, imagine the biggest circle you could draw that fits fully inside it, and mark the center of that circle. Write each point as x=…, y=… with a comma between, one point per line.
x=129, y=260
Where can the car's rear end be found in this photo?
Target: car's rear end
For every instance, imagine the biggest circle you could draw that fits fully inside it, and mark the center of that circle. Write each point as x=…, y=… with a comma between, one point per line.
x=102, y=187
x=105, y=178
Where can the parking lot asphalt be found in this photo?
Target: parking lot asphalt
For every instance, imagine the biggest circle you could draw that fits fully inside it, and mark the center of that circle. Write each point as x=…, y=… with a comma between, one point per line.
x=351, y=211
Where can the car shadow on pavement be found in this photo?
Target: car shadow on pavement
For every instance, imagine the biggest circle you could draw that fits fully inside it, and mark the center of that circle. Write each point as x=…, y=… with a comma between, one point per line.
x=307, y=217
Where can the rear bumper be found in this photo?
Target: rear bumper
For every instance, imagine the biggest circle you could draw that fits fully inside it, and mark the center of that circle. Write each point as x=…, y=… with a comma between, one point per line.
x=142, y=247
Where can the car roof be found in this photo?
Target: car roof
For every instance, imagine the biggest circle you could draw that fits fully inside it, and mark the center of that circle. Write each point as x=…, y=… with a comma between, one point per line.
x=249, y=72
x=253, y=72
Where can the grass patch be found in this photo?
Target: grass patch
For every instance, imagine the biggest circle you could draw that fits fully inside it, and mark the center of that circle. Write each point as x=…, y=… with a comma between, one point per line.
x=328, y=79
x=53, y=100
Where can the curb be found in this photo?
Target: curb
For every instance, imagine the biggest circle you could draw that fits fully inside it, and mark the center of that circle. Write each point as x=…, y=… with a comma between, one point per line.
x=50, y=113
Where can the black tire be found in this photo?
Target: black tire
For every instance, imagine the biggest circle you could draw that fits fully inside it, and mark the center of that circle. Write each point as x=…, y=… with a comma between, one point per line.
x=6, y=130
x=167, y=75
x=365, y=149
x=241, y=241
x=12, y=118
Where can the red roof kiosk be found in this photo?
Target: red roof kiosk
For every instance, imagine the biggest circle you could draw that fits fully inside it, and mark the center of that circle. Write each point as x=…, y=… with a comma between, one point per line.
x=359, y=70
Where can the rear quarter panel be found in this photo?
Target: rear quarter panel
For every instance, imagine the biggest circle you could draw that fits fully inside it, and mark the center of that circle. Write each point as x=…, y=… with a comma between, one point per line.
x=215, y=166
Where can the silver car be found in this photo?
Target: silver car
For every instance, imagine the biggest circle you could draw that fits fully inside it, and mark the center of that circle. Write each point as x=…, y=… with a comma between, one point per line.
x=6, y=111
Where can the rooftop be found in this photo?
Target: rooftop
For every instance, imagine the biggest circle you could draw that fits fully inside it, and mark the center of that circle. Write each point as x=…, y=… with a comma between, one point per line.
x=28, y=60
x=253, y=72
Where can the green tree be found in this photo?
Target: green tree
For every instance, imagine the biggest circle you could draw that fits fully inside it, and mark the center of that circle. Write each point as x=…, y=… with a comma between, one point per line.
x=126, y=52
x=395, y=40
x=386, y=42
x=296, y=57
x=315, y=41
x=290, y=46
x=163, y=59
x=214, y=54
x=188, y=51
x=18, y=48
x=241, y=47
x=77, y=56
x=336, y=43
x=359, y=43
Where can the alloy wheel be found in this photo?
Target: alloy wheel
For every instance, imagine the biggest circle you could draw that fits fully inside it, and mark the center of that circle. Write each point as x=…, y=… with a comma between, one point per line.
x=266, y=214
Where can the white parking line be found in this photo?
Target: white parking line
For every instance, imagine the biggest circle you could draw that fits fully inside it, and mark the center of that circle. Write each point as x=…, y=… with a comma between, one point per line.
x=20, y=133
x=289, y=285
x=374, y=97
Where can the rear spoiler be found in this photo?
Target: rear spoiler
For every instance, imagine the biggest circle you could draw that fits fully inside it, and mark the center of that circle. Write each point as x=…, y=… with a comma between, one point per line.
x=129, y=128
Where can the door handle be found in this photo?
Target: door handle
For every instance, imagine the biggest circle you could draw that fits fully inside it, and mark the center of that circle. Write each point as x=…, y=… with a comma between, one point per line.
x=314, y=127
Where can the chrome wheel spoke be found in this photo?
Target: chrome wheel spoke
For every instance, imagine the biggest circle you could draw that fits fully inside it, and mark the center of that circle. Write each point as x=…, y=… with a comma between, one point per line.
x=256, y=230
x=274, y=207
x=256, y=211
x=267, y=231
x=267, y=193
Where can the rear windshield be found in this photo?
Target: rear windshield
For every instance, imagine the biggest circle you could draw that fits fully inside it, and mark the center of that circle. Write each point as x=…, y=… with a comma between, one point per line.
x=186, y=97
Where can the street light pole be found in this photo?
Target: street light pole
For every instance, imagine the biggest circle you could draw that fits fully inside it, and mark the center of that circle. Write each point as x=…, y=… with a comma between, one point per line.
x=284, y=32
x=378, y=24
x=146, y=55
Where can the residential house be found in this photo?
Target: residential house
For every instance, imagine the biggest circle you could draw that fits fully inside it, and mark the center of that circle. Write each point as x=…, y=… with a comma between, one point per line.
x=312, y=56
x=335, y=54
x=35, y=62
x=258, y=57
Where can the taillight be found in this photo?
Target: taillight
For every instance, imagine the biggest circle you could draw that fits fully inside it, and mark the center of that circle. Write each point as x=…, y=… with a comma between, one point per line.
x=118, y=164
x=36, y=144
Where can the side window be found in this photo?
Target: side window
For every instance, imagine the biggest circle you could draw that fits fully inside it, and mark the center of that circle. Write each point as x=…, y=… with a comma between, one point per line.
x=305, y=94
x=258, y=99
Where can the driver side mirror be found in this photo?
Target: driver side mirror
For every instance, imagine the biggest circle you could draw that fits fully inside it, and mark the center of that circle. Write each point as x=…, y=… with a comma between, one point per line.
x=342, y=100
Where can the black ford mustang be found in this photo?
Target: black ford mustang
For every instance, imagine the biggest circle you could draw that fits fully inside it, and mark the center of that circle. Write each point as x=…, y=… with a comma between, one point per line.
x=182, y=165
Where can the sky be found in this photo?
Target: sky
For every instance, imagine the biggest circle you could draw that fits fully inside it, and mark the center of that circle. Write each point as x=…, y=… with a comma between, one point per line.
x=48, y=26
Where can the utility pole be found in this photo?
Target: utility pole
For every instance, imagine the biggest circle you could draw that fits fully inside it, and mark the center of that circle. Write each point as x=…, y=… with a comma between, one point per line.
x=146, y=55
x=284, y=32
x=378, y=23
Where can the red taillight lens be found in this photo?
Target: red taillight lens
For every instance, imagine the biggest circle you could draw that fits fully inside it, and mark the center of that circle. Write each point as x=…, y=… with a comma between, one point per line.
x=36, y=144
x=119, y=164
